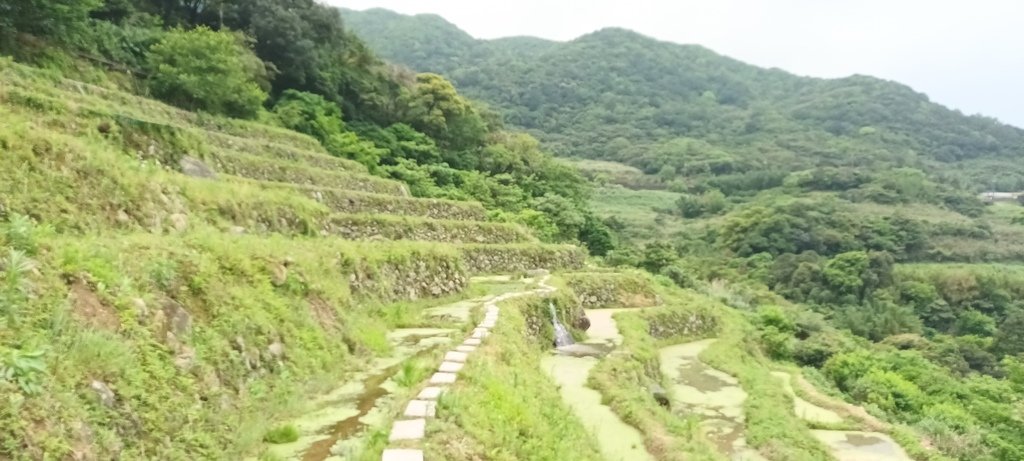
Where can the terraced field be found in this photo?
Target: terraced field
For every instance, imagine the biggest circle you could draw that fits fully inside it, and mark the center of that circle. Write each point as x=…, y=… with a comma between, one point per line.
x=229, y=268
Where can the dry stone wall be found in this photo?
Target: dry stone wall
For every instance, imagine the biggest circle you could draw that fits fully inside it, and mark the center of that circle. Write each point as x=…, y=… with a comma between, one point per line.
x=367, y=227
x=484, y=259
x=599, y=290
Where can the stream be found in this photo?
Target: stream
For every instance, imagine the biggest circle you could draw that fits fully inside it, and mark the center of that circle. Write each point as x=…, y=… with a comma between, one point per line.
x=570, y=366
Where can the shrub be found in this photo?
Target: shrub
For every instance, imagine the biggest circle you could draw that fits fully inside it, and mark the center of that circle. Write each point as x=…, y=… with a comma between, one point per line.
x=201, y=69
x=282, y=434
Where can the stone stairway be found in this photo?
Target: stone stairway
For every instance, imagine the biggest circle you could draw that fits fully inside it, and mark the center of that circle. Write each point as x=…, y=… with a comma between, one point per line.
x=408, y=431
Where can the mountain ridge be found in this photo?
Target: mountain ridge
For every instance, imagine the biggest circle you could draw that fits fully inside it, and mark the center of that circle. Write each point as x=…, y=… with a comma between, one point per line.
x=616, y=94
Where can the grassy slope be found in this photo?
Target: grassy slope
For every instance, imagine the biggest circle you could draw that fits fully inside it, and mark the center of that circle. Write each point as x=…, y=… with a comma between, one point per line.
x=136, y=279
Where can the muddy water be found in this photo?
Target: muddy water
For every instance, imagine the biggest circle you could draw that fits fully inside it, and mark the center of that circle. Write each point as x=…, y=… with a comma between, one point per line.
x=862, y=446
x=804, y=409
x=343, y=415
x=570, y=367
x=845, y=445
x=715, y=397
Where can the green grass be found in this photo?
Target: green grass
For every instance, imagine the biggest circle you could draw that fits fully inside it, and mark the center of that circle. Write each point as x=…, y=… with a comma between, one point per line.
x=598, y=290
x=282, y=434
x=638, y=209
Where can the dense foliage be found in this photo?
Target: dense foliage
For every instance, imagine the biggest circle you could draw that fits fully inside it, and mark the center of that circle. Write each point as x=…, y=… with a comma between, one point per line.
x=617, y=95
x=296, y=58
x=810, y=197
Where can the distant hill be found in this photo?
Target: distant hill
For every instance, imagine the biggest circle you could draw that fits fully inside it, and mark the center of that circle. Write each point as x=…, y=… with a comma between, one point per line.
x=618, y=95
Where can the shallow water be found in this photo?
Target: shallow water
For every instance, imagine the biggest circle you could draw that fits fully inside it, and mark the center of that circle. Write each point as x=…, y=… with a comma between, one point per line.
x=716, y=397
x=804, y=409
x=845, y=445
x=862, y=446
x=570, y=368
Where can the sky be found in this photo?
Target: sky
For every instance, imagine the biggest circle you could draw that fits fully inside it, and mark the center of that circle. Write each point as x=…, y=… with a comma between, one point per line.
x=967, y=55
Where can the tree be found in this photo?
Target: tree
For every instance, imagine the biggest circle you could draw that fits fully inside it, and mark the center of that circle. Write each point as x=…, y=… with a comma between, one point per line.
x=435, y=108
x=657, y=256
x=1009, y=340
x=205, y=70
x=59, y=20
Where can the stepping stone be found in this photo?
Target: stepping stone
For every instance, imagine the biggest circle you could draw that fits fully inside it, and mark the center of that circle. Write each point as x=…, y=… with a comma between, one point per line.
x=409, y=429
x=402, y=454
x=487, y=324
x=430, y=393
x=465, y=348
x=450, y=367
x=472, y=342
x=456, y=356
x=420, y=409
x=442, y=378
x=479, y=333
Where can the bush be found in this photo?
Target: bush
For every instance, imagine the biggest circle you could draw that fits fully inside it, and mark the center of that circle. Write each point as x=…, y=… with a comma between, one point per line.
x=282, y=434
x=201, y=69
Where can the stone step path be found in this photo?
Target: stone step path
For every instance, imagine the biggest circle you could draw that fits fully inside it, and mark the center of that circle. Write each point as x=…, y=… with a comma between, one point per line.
x=411, y=427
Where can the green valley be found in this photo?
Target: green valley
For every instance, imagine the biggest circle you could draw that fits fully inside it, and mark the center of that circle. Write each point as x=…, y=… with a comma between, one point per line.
x=238, y=231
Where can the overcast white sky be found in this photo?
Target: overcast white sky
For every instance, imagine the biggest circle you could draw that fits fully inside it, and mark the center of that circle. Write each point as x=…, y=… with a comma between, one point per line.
x=965, y=54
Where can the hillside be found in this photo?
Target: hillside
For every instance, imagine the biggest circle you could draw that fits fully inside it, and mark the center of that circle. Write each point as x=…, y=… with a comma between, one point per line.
x=231, y=231
x=618, y=95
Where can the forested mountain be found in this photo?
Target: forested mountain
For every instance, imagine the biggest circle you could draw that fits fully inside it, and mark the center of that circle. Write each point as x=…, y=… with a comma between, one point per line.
x=618, y=95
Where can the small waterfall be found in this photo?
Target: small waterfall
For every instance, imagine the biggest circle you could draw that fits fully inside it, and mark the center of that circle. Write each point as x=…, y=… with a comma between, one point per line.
x=562, y=336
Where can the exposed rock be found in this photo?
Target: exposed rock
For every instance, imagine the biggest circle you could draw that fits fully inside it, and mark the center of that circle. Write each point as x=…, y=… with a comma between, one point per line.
x=659, y=394
x=236, y=230
x=178, y=320
x=278, y=274
x=106, y=396
x=581, y=323
x=276, y=350
x=194, y=167
x=179, y=221
x=88, y=308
